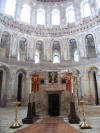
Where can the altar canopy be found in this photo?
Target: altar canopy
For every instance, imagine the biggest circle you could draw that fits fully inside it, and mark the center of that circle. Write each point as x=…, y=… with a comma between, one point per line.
x=34, y=83
x=68, y=82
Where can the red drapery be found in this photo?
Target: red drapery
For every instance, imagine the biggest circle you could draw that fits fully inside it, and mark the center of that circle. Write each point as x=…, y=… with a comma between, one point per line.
x=68, y=82
x=34, y=83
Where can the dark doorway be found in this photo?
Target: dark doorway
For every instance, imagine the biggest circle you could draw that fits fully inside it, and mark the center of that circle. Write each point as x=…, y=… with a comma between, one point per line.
x=19, y=93
x=53, y=104
x=96, y=89
x=1, y=77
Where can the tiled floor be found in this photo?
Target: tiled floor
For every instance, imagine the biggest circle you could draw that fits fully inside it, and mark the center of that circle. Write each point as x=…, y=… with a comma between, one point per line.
x=7, y=117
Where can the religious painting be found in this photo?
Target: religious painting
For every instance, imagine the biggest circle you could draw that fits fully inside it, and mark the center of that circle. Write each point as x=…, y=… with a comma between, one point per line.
x=5, y=44
x=72, y=47
x=69, y=82
x=22, y=49
x=22, y=44
x=90, y=46
x=34, y=83
x=53, y=77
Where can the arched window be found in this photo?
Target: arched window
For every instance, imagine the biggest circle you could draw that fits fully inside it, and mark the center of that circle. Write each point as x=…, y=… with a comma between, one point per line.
x=41, y=17
x=70, y=16
x=55, y=17
x=37, y=57
x=25, y=13
x=85, y=9
x=10, y=7
x=98, y=3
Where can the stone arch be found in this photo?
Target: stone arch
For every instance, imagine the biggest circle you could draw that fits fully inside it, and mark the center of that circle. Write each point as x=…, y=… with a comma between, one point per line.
x=4, y=84
x=5, y=44
x=90, y=46
x=93, y=84
x=21, y=85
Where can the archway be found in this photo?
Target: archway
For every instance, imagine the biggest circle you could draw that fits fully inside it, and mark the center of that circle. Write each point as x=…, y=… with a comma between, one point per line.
x=19, y=93
x=93, y=85
x=1, y=78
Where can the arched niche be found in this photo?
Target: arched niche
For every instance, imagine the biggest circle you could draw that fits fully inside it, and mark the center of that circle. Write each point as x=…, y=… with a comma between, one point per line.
x=5, y=44
x=22, y=49
x=56, y=52
x=21, y=86
x=73, y=50
x=90, y=46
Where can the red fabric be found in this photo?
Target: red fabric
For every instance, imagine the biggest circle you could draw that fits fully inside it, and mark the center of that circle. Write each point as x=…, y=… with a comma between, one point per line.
x=35, y=83
x=68, y=82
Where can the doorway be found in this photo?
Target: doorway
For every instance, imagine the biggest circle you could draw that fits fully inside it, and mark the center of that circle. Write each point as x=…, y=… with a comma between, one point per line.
x=1, y=77
x=53, y=104
x=19, y=93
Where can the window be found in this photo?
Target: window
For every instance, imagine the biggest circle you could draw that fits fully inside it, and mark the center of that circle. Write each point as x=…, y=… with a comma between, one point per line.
x=36, y=57
x=10, y=7
x=70, y=16
x=25, y=14
x=76, y=56
x=85, y=9
x=56, y=58
x=55, y=17
x=98, y=3
x=41, y=17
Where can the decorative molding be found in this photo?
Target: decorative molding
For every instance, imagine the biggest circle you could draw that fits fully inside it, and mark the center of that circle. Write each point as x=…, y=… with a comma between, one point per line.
x=55, y=31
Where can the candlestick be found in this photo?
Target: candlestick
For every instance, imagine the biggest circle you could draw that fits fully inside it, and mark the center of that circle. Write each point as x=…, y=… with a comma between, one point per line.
x=84, y=125
x=16, y=124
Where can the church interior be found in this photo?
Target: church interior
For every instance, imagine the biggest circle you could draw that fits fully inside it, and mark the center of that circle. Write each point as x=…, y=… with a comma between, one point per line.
x=49, y=66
